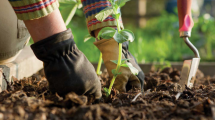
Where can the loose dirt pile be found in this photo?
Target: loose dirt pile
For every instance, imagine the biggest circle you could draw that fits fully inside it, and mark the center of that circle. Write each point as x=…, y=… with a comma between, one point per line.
x=30, y=98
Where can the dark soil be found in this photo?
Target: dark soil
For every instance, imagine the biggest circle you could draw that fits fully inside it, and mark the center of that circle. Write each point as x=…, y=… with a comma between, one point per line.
x=30, y=98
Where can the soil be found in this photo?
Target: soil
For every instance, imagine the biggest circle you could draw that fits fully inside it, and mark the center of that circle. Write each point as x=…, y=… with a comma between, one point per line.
x=30, y=98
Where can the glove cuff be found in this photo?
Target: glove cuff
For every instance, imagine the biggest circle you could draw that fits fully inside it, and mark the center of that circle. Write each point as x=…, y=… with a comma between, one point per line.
x=48, y=46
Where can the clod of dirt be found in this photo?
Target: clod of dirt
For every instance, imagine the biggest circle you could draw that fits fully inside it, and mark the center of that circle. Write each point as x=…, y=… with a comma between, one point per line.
x=73, y=99
x=175, y=72
x=164, y=76
x=151, y=82
x=167, y=70
x=117, y=103
x=183, y=104
x=175, y=78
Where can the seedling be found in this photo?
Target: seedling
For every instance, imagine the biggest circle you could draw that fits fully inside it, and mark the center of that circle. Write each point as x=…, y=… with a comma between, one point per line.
x=119, y=35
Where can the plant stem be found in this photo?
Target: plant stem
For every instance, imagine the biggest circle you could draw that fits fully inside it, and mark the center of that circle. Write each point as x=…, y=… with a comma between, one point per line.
x=120, y=47
x=99, y=64
x=71, y=14
x=111, y=84
x=118, y=25
x=119, y=59
x=117, y=68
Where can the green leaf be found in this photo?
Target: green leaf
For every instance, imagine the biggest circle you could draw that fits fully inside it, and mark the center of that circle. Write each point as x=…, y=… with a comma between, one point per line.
x=132, y=68
x=115, y=8
x=125, y=59
x=71, y=14
x=116, y=16
x=68, y=9
x=100, y=72
x=129, y=35
x=111, y=1
x=67, y=1
x=122, y=61
x=124, y=35
x=121, y=3
x=106, y=33
x=114, y=61
x=102, y=15
x=124, y=65
x=119, y=38
x=106, y=91
x=114, y=72
x=79, y=4
x=87, y=37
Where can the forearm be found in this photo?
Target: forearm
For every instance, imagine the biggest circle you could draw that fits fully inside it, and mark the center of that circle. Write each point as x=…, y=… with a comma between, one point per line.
x=41, y=17
x=45, y=26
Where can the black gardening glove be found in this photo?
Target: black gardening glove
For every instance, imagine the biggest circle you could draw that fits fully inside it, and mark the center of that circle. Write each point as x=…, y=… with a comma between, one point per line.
x=66, y=67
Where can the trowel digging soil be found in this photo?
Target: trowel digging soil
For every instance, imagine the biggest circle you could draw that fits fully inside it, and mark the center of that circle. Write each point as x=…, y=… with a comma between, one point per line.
x=190, y=67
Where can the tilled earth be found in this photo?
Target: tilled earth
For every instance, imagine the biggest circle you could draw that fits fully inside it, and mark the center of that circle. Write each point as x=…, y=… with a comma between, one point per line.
x=30, y=98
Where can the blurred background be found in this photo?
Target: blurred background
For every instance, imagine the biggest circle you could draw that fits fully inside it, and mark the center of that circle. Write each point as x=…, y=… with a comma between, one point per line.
x=155, y=25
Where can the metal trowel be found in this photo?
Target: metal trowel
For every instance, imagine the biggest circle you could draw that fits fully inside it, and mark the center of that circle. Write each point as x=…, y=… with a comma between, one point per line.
x=190, y=67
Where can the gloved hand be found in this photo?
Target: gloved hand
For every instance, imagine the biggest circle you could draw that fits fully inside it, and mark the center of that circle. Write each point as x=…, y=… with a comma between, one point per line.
x=110, y=51
x=66, y=67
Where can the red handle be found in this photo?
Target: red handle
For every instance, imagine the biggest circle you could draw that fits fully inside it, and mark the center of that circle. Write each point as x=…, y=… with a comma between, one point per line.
x=184, y=15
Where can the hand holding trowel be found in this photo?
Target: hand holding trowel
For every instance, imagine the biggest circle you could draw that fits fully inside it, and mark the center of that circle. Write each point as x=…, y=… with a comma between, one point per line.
x=190, y=67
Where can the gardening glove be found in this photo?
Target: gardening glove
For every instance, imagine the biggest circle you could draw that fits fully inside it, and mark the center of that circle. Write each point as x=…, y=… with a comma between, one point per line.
x=66, y=67
x=126, y=80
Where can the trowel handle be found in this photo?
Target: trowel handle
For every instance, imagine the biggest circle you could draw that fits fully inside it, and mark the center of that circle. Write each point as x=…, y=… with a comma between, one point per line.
x=185, y=17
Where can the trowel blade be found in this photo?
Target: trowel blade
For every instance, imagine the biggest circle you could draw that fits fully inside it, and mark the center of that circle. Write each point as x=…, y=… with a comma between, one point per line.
x=188, y=73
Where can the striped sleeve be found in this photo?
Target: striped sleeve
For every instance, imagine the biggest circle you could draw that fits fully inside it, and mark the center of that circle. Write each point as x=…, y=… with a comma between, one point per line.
x=33, y=9
x=93, y=7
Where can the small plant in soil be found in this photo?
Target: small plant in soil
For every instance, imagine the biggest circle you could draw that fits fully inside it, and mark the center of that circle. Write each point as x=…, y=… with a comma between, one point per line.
x=119, y=36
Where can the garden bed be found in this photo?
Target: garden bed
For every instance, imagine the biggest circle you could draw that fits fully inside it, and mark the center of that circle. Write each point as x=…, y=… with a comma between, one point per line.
x=30, y=98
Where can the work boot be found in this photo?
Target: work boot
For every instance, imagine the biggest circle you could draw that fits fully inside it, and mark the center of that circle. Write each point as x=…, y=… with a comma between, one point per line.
x=126, y=80
x=66, y=67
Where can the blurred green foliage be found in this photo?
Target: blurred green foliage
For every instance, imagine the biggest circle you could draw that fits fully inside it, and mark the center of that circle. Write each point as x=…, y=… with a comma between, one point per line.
x=68, y=9
x=158, y=41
